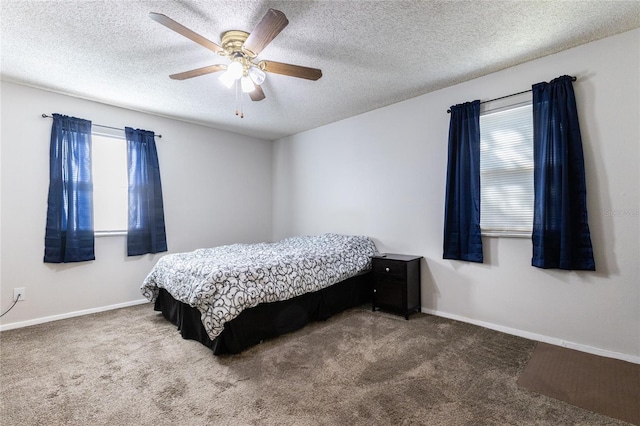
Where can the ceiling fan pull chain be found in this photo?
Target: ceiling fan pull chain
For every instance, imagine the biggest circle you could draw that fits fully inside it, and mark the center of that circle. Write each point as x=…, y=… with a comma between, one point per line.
x=241, y=110
x=239, y=99
x=236, y=87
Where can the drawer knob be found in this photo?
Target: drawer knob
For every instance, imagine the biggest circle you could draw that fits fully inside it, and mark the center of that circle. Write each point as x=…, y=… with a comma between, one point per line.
x=386, y=269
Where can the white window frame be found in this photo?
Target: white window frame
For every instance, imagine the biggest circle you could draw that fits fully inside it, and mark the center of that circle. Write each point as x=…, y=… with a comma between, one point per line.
x=491, y=109
x=118, y=136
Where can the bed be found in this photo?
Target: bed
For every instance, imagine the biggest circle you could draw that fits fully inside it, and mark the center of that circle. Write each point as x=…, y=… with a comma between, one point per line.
x=232, y=297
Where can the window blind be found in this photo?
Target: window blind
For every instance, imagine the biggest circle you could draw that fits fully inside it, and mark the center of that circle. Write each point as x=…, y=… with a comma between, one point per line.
x=110, y=184
x=506, y=171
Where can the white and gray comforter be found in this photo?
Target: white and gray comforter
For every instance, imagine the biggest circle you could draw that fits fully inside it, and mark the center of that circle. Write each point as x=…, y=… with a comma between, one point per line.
x=223, y=281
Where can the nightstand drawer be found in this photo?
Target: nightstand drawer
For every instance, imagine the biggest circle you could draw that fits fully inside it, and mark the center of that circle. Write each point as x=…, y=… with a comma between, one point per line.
x=385, y=267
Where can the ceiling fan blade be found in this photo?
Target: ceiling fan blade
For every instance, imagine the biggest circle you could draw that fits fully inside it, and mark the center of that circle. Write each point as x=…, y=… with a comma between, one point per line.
x=257, y=94
x=291, y=70
x=180, y=29
x=267, y=29
x=198, y=72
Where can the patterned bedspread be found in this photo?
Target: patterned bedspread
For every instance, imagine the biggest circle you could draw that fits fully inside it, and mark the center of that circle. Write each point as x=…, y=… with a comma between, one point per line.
x=223, y=281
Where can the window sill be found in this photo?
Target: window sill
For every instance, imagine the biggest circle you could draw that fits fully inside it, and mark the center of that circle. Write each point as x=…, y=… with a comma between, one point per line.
x=506, y=234
x=109, y=233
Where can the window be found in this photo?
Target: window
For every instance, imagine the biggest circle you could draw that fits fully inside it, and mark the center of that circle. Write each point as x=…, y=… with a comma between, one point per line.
x=506, y=171
x=110, y=183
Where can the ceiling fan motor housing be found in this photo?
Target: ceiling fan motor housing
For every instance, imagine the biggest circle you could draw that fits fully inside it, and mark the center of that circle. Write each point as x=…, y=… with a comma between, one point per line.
x=232, y=42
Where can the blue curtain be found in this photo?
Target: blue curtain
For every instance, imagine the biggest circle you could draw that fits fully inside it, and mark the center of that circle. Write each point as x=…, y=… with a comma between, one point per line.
x=146, y=230
x=462, y=239
x=69, y=230
x=561, y=237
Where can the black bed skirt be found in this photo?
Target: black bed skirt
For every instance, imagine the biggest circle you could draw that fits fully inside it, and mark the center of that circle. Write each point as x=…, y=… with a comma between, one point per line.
x=267, y=320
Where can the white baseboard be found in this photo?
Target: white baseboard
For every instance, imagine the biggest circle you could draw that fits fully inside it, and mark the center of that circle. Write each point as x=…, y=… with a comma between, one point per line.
x=537, y=337
x=42, y=320
x=503, y=329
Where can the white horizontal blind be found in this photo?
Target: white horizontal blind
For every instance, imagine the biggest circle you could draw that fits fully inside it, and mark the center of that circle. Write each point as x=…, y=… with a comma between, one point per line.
x=110, y=183
x=506, y=171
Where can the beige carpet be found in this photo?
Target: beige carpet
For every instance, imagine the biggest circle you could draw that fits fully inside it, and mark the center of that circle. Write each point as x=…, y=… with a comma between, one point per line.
x=600, y=384
x=131, y=367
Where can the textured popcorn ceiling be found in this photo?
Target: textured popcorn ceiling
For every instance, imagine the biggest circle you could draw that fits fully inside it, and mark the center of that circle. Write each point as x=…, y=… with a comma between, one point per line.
x=372, y=53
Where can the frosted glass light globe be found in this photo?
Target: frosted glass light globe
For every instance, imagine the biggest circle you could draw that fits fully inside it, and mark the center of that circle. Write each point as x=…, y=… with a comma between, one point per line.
x=235, y=70
x=247, y=85
x=257, y=75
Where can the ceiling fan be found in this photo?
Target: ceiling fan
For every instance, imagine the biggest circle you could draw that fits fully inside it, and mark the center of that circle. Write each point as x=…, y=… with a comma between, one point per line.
x=242, y=48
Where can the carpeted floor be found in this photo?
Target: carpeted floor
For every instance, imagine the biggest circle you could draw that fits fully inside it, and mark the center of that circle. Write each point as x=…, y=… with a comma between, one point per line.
x=131, y=367
x=605, y=385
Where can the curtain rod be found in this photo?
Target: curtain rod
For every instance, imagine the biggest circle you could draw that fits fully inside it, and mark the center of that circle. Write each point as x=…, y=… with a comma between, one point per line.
x=100, y=125
x=508, y=96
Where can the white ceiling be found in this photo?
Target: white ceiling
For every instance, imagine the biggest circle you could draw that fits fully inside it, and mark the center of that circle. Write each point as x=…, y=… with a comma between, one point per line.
x=372, y=53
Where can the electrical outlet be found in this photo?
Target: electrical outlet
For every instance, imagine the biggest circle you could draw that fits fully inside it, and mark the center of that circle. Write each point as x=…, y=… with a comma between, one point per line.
x=20, y=294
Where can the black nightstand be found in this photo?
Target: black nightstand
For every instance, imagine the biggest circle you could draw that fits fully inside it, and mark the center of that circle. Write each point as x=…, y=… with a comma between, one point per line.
x=396, y=283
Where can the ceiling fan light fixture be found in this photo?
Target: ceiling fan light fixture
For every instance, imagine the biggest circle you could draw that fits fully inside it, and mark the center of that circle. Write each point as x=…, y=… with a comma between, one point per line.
x=227, y=79
x=257, y=75
x=235, y=70
x=247, y=85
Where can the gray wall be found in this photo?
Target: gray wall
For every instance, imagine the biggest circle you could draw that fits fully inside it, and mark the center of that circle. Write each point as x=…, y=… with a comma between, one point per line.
x=216, y=189
x=383, y=173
